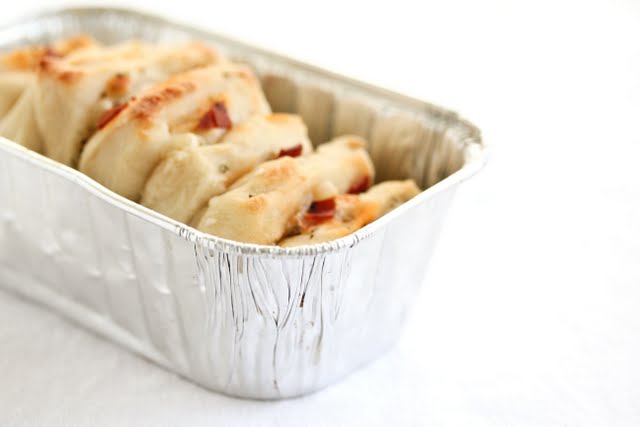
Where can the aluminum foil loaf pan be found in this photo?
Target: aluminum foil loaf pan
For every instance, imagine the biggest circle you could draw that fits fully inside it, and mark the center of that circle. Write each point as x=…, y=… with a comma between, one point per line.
x=245, y=320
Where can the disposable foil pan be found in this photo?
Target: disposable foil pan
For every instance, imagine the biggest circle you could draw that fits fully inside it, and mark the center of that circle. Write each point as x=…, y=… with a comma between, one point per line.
x=246, y=320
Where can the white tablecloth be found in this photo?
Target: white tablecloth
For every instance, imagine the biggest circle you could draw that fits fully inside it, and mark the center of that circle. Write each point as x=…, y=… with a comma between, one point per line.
x=529, y=315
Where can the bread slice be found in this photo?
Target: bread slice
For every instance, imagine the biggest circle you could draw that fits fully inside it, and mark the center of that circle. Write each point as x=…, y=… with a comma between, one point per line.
x=74, y=92
x=19, y=67
x=351, y=212
x=193, y=108
x=186, y=179
x=262, y=206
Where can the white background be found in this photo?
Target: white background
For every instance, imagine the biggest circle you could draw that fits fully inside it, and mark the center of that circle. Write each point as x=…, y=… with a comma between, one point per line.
x=530, y=312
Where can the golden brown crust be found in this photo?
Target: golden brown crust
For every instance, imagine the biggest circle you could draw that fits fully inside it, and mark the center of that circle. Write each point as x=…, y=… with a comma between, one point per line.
x=77, y=91
x=147, y=107
x=123, y=154
x=118, y=86
x=18, y=70
x=353, y=212
x=278, y=118
x=81, y=64
x=25, y=59
x=29, y=58
x=51, y=67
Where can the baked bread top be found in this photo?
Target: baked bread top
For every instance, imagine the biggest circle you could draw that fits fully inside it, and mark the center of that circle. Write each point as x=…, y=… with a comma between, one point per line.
x=189, y=133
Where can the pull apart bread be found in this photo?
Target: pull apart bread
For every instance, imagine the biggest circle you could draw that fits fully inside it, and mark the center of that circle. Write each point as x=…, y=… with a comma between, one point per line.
x=190, y=109
x=189, y=134
x=18, y=76
x=71, y=94
x=263, y=206
x=334, y=218
x=76, y=94
x=186, y=179
x=18, y=69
